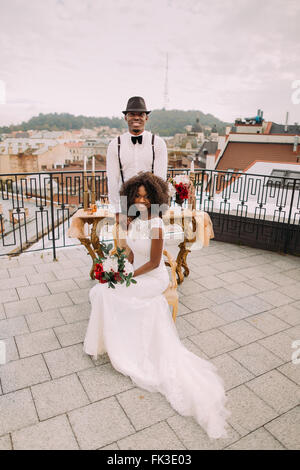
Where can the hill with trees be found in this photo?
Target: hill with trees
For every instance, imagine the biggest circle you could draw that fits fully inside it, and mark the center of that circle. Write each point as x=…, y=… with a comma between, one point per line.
x=162, y=122
x=166, y=123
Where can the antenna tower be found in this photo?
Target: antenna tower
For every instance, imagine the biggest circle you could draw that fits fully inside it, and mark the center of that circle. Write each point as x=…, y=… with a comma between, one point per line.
x=166, y=91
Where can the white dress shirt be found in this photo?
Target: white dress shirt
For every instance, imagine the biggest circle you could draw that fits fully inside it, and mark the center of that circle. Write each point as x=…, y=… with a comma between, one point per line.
x=134, y=158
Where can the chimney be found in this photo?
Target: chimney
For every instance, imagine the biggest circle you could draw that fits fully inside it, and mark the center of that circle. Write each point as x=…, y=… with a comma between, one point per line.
x=286, y=122
x=295, y=147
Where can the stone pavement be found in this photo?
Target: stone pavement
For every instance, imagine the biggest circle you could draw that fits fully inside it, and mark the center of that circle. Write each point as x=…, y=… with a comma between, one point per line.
x=239, y=308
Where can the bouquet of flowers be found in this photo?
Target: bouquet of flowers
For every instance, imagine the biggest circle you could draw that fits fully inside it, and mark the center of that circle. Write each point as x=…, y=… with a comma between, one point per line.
x=182, y=185
x=113, y=269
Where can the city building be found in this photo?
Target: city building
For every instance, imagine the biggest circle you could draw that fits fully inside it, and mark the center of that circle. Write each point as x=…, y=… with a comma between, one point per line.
x=205, y=157
x=260, y=147
x=45, y=151
x=32, y=155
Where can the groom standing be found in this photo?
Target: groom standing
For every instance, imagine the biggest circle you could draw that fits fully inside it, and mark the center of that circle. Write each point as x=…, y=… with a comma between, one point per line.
x=136, y=150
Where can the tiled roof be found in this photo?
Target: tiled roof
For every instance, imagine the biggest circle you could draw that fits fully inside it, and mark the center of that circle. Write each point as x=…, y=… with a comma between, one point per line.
x=279, y=129
x=217, y=154
x=73, y=144
x=240, y=155
x=210, y=145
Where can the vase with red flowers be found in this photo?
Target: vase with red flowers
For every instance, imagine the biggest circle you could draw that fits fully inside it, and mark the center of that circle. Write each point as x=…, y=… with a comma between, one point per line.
x=181, y=188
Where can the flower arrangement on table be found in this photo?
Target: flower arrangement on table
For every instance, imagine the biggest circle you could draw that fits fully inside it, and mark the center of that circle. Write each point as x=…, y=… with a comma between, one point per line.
x=113, y=269
x=181, y=187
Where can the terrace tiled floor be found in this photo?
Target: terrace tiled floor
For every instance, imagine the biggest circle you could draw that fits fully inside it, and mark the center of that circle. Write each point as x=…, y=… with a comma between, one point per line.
x=239, y=308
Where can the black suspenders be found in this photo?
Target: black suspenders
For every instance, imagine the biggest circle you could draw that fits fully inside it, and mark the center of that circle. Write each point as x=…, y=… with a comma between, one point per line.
x=120, y=163
x=153, y=152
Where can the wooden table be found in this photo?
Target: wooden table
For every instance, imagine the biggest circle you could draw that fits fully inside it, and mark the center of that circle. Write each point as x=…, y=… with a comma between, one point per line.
x=196, y=225
x=197, y=228
x=92, y=243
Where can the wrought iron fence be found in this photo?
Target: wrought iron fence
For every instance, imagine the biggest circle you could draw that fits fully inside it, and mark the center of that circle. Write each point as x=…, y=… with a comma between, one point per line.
x=253, y=209
x=37, y=207
x=256, y=210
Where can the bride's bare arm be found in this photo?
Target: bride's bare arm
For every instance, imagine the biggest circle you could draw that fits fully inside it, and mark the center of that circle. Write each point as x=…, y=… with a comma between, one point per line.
x=130, y=257
x=155, y=253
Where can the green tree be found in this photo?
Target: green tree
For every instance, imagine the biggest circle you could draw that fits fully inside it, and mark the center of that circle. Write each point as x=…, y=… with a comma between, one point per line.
x=161, y=122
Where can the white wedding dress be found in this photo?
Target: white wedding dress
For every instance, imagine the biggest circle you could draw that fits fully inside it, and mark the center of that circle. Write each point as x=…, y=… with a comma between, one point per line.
x=134, y=326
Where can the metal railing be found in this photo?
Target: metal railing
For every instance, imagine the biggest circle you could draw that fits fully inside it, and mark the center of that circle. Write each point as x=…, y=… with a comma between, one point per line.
x=256, y=210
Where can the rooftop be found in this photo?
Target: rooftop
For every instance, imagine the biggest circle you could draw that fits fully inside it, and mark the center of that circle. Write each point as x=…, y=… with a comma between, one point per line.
x=210, y=145
x=242, y=155
x=292, y=129
x=239, y=309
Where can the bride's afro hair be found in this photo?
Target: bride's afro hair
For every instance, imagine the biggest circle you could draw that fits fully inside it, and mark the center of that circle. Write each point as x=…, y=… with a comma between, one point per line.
x=157, y=191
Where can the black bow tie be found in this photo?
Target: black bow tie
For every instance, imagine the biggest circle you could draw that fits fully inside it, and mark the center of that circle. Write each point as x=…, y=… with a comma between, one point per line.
x=135, y=139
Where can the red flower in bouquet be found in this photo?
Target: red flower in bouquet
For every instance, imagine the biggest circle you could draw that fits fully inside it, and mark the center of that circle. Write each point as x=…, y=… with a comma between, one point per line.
x=182, y=190
x=99, y=273
x=99, y=267
x=112, y=269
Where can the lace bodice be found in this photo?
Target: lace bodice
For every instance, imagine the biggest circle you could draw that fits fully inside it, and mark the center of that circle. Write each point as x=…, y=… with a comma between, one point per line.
x=139, y=241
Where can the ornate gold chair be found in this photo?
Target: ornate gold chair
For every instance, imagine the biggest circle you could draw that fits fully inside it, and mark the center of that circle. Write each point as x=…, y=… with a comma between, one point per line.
x=170, y=293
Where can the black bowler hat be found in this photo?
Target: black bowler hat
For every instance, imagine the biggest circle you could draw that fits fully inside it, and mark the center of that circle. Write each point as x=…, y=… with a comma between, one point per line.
x=136, y=104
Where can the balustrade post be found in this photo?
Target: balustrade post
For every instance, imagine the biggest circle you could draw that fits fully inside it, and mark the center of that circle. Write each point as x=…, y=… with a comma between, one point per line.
x=287, y=237
x=52, y=217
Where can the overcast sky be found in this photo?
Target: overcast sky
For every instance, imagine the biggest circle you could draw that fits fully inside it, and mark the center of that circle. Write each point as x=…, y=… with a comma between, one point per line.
x=226, y=57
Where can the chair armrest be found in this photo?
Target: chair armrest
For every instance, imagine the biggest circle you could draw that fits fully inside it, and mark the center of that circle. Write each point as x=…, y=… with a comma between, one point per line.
x=172, y=263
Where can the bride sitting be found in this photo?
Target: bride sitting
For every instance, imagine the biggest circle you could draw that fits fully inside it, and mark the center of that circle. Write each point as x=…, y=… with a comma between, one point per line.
x=134, y=324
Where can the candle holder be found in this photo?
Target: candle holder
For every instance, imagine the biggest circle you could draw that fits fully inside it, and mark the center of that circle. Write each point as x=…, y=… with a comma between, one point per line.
x=86, y=199
x=192, y=198
x=93, y=195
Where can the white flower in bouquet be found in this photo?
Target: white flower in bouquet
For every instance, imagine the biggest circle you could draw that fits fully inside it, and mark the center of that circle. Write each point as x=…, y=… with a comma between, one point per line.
x=110, y=263
x=181, y=179
x=128, y=267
